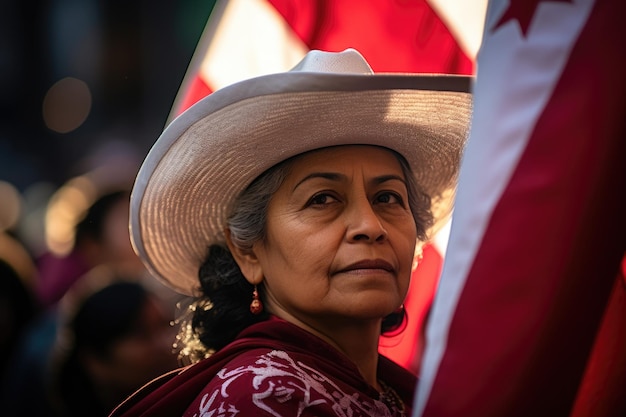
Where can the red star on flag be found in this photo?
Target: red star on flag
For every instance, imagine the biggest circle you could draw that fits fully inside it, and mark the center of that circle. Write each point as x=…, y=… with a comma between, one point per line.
x=522, y=11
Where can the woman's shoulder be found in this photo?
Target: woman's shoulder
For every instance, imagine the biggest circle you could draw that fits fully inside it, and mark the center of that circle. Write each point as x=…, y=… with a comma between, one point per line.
x=280, y=383
x=257, y=382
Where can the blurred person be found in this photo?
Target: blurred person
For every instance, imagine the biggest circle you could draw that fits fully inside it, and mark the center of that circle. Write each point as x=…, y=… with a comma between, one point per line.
x=114, y=336
x=101, y=237
x=101, y=242
x=18, y=306
x=17, y=309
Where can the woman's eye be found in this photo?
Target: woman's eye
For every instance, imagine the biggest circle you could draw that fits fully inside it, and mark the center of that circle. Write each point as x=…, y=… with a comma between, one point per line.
x=321, y=199
x=389, y=198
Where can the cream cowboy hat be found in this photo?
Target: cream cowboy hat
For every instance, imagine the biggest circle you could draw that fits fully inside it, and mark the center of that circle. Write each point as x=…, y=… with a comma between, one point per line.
x=214, y=150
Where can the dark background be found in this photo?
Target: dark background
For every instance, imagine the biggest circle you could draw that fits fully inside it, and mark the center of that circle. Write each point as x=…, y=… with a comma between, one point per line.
x=132, y=55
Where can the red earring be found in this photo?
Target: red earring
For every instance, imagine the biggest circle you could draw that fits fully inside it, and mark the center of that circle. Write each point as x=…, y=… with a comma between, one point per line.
x=256, y=306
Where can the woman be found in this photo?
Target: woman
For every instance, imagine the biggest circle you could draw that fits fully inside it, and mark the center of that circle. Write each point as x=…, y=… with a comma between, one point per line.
x=297, y=199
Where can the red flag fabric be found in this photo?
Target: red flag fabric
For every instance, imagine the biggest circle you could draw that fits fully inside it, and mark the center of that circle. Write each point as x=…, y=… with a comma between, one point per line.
x=246, y=38
x=528, y=304
x=602, y=391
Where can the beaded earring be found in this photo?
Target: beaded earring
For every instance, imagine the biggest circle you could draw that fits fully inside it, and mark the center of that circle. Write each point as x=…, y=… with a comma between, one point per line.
x=256, y=306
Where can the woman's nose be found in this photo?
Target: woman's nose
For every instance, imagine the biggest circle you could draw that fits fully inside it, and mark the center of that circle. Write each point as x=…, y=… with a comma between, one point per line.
x=363, y=222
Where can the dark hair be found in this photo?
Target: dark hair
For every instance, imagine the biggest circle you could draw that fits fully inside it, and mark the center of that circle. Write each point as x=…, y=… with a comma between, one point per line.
x=100, y=320
x=108, y=316
x=92, y=225
x=224, y=309
x=20, y=307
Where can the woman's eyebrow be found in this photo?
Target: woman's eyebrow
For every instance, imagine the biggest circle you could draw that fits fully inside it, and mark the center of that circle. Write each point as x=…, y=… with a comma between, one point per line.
x=333, y=176
x=384, y=178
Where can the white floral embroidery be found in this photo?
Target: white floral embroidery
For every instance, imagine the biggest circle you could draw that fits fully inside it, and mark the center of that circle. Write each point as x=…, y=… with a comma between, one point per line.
x=220, y=411
x=278, y=378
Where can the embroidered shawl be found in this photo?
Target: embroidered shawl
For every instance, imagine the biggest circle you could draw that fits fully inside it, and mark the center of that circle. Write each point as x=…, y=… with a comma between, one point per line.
x=273, y=368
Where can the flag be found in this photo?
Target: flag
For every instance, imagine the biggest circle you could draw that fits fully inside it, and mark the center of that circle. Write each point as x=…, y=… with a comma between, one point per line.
x=246, y=38
x=529, y=316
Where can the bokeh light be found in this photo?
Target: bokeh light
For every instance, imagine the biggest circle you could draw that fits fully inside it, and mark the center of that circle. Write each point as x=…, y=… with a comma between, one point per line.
x=66, y=209
x=10, y=207
x=31, y=228
x=66, y=105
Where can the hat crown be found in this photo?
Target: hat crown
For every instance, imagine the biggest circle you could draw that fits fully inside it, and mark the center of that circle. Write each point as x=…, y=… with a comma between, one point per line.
x=348, y=61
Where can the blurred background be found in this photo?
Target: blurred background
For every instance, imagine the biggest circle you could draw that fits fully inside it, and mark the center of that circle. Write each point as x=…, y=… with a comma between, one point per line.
x=84, y=82
x=86, y=87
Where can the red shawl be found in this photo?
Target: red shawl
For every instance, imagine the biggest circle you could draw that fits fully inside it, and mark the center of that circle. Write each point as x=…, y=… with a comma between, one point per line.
x=273, y=368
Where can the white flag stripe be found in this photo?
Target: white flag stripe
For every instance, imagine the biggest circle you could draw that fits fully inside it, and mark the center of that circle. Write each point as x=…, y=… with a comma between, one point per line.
x=465, y=20
x=251, y=39
x=440, y=240
x=515, y=79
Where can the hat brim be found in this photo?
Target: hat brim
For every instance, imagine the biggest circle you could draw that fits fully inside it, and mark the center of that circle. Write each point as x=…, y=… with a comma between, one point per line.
x=210, y=153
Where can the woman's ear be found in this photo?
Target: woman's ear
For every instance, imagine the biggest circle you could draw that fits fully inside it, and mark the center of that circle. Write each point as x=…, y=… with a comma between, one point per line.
x=247, y=261
x=418, y=254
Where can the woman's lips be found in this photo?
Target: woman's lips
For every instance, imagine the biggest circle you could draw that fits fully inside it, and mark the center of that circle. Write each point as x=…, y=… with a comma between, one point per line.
x=369, y=264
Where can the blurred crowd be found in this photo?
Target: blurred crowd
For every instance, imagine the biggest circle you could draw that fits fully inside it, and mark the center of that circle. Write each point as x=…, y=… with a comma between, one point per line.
x=83, y=323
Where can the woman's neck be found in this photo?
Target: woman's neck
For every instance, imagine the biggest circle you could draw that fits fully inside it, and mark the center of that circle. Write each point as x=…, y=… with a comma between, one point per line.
x=361, y=347
x=357, y=339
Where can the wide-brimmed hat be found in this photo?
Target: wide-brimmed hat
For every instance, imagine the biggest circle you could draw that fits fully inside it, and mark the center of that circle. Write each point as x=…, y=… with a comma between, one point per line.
x=214, y=150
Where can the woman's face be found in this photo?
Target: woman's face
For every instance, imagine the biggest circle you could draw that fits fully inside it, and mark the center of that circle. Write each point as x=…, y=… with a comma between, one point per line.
x=340, y=237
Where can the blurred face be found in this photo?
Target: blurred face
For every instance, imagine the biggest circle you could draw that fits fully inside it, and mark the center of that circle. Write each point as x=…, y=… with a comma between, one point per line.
x=340, y=238
x=140, y=356
x=116, y=247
